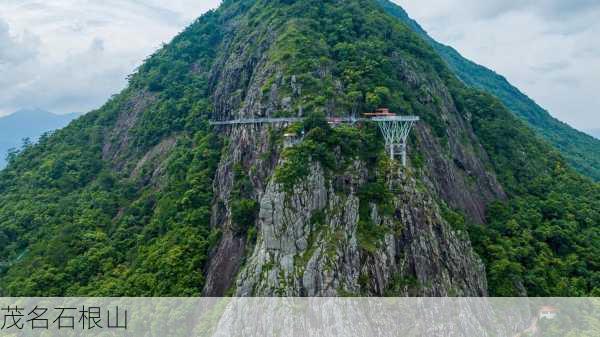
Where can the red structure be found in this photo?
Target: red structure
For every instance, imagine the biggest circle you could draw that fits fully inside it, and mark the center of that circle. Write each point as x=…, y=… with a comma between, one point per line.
x=335, y=120
x=381, y=112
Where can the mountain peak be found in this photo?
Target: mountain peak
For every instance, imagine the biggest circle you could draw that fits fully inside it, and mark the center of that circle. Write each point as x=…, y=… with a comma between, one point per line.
x=36, y=114
x=31, y=112
x=147, y=198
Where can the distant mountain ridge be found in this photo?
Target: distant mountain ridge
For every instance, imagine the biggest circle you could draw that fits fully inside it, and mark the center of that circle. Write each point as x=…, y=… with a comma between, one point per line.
x=143, y=197
x=581, y=150
x=28, y=123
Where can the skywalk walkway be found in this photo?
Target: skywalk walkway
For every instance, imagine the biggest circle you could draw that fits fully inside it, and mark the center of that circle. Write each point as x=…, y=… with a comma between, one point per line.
x=395, y=129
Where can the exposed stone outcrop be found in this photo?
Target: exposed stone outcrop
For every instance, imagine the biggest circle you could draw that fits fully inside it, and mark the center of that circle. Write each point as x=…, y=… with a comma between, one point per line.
x=300, y=254
x=117, y=143
x=151, y=167
x=293, y=256
x=425, y=253
x=251, y=148
x=456, y=169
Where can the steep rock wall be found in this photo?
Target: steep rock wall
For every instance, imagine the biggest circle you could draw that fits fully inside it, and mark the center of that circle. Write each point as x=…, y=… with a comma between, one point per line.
x=448, y=164
x=454, y=173
x=310, y=245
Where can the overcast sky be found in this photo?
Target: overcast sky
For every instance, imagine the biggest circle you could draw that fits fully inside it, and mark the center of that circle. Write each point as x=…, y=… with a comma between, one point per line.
x=72, y=55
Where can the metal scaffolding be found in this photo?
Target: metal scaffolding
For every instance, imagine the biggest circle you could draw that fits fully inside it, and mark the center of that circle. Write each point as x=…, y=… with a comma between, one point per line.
x=395, y=129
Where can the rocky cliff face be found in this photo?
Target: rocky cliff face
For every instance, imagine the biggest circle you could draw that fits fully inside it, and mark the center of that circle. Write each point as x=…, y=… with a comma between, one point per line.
x=307, y=240
x=309, y=244
x=144, y=198
x=243, y=230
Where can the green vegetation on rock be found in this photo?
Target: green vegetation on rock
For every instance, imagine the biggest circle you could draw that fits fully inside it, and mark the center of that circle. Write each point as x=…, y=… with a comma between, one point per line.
x=121, y=201
x=94, y=226
x=582, y=151
x=544, y=240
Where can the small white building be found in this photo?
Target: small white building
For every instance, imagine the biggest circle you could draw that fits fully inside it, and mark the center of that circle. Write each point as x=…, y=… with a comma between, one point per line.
x=548, y=312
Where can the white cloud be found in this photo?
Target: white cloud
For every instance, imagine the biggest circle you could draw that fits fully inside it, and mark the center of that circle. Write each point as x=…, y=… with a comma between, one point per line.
x=16, y=49
x=72, y=55
x=547, y=49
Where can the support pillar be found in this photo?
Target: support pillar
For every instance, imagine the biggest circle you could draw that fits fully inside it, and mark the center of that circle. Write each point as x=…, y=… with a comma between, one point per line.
x=403, y=151
x=395, y=131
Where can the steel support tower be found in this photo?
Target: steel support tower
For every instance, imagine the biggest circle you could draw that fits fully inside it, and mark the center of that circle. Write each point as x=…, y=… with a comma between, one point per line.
x=395, y=130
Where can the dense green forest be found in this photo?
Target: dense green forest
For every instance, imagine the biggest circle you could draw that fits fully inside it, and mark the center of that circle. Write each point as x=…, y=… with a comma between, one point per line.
x=544, y=241
x=579, y=149
x=74, y=223
x=18, y=126
x=71, y=224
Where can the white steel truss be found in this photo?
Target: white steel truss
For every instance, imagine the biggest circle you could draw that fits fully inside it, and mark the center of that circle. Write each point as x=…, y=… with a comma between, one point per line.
x=395, y=131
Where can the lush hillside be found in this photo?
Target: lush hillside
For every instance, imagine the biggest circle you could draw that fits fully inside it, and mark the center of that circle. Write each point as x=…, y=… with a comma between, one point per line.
x=581, y=150
x=29, y=124
x=142, y=197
